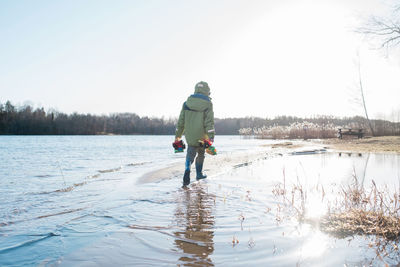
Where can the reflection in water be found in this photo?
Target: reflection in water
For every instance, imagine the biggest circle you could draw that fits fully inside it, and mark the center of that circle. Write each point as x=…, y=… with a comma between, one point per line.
x=364, y=171
x=316, y=207
x=196, y=221
x=315, y=246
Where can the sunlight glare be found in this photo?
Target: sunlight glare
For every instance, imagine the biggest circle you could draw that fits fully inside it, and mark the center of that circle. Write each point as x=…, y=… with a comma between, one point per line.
x=315, y=206
x=315, y=246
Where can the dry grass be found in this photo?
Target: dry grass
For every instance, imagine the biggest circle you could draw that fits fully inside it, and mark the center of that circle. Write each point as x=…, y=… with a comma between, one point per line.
x=353, y=211
x=298, y=130
x=373, y=214
x=361, y=222
x=369, y=212
x=373, y=144
x=361, y=211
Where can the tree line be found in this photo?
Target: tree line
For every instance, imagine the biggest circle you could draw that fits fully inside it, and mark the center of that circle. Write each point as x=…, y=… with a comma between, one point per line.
x=26, y=120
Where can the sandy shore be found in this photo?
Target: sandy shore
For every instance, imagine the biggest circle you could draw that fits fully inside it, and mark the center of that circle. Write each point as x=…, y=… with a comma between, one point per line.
x=383, y=144
x=221, y=163
x=215, y=165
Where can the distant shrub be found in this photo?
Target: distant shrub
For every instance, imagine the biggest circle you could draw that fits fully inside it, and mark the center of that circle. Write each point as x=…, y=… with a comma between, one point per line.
x=297, y=130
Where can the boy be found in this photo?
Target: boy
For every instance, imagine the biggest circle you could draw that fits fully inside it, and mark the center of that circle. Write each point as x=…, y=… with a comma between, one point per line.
x=196, y=120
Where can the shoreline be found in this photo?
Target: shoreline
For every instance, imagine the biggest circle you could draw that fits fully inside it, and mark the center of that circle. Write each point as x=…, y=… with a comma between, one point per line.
x=215, y=165
x=221, y=163
x=382, y=144
x=204, y=223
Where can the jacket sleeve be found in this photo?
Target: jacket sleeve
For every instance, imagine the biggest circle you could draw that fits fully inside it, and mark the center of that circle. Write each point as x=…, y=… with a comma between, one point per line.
x=209, y=122
x=181, y=124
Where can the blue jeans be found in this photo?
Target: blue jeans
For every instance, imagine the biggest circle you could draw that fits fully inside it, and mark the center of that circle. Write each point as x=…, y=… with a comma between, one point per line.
x=191, y=154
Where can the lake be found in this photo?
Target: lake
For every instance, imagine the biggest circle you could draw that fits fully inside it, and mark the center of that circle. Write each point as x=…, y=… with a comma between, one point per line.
x=76, y=201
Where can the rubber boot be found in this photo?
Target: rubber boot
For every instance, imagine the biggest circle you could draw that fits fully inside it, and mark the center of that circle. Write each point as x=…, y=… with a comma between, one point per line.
x=199, y=172
x=186, y=178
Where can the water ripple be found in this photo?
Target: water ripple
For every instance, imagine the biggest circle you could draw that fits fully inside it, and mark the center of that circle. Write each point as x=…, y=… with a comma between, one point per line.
x=110, y=170
x=27, y=243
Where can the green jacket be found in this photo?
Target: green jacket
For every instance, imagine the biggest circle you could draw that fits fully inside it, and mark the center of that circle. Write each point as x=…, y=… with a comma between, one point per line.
x=196, y=119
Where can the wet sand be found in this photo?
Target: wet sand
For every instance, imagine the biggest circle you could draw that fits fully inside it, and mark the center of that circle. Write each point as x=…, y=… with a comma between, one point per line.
x=215, y=165
x=222, y=163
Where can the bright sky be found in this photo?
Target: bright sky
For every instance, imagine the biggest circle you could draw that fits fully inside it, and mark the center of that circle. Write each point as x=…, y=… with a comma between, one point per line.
x=260, y=58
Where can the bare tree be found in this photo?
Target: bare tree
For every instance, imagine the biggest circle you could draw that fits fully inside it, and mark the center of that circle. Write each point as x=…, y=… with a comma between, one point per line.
x=386, y=30
x=362, y=96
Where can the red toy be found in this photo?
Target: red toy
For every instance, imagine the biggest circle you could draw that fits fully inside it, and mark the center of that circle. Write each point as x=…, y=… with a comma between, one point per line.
x=179, y=146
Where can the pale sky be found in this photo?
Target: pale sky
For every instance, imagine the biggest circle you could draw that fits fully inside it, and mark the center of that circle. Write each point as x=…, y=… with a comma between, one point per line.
x=260, y=58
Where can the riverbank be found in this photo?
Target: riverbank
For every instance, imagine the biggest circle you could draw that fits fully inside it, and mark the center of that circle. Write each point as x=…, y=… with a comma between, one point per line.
x=226, y=161
x=215, y=165
x=382, y=144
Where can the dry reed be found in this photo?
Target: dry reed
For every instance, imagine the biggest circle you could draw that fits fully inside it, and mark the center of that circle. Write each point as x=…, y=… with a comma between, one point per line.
x=353, y=211
x=298, y=130
x=361, y=211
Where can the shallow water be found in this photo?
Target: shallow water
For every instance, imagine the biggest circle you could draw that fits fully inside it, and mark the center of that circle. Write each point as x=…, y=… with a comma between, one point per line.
x=75, y=201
